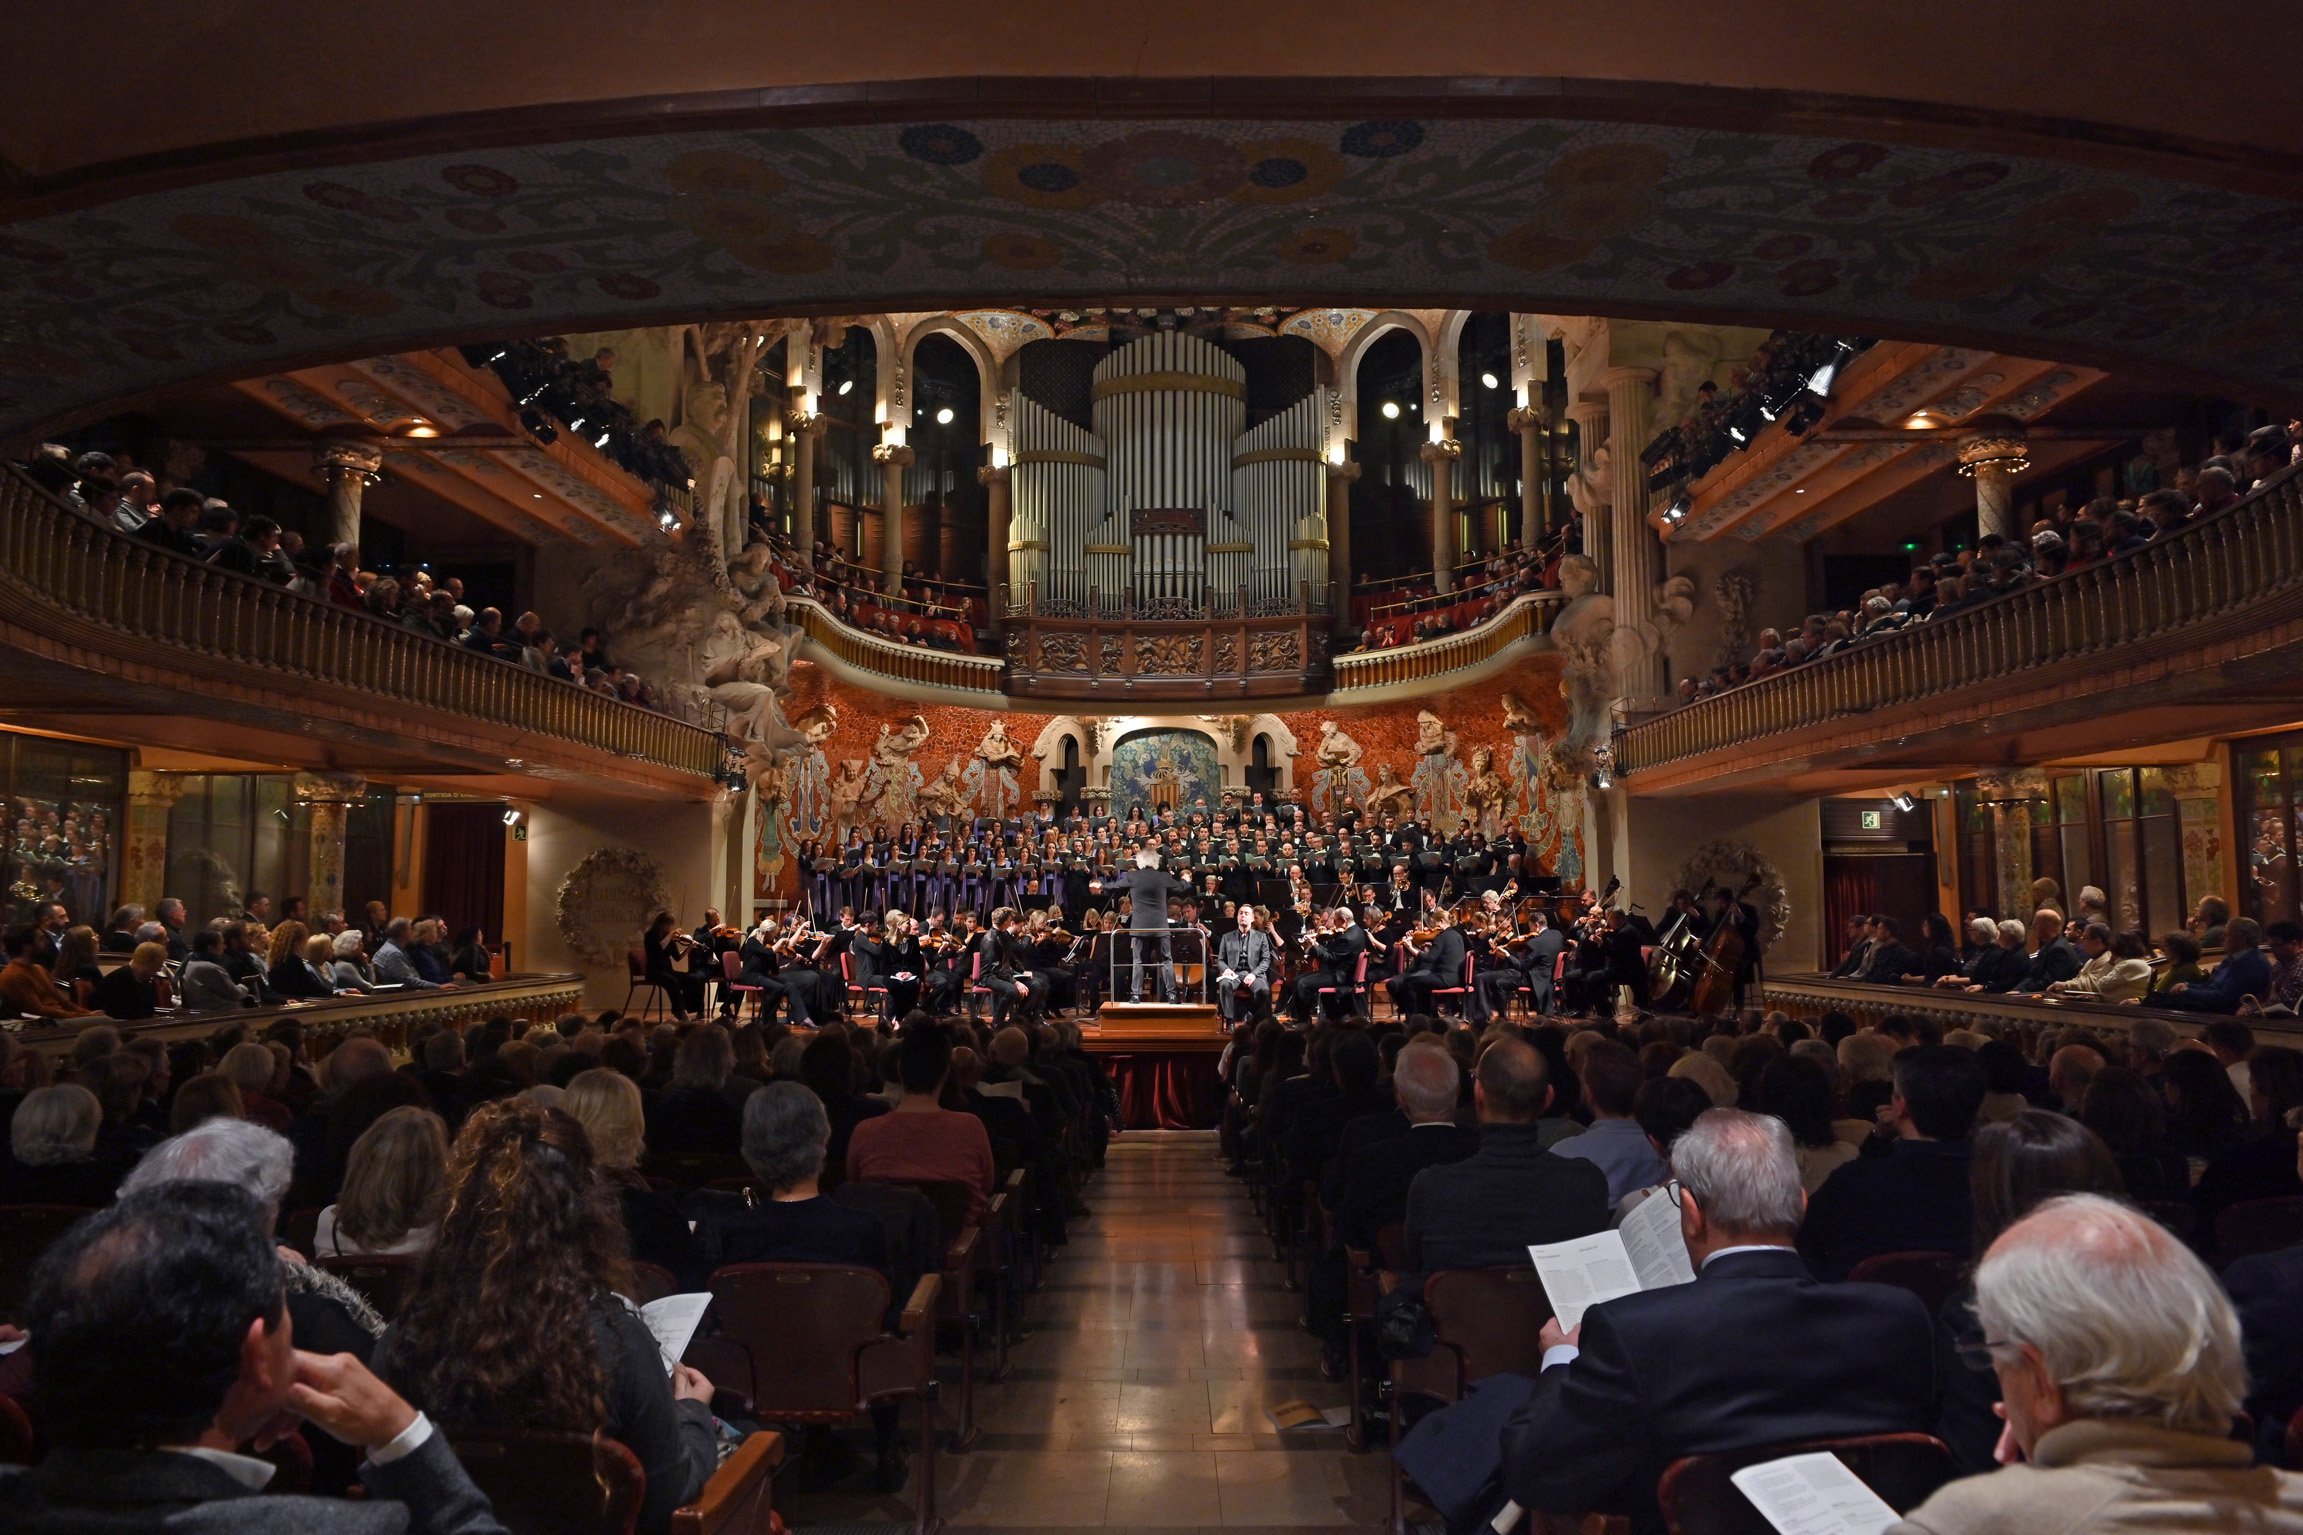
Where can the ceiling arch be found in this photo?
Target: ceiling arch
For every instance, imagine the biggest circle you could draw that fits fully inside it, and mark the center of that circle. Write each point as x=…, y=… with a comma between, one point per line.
x=1428, y=203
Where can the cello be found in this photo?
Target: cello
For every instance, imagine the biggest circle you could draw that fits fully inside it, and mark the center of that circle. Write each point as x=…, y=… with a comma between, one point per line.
x=1723, y=955
x=1677, y=960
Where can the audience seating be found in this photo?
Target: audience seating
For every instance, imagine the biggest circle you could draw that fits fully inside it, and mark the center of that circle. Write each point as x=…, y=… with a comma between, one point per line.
x=1698, y=1498
x=1931, y=1276
x=809, y=1339
x=684, y=1170
x=652, y=1282
x=385, y=1281
x=986, y=1255
x=2257, y=1226
x=19, y=1444
x=1485, y=1321
x=25, y=1232
x=1363, y=1274
x=583, y=1484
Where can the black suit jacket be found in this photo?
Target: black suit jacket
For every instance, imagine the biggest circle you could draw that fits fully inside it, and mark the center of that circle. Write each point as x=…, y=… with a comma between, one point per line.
x=1754, y=1352
x=1441, y=961
x=2267, y=1289
x=1487, y=1210
x=1372, y=1180
x=1914, y=1199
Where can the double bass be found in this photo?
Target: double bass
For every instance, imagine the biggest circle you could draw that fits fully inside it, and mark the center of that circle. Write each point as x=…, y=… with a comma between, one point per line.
x=1723, y=955
x=1676, y=961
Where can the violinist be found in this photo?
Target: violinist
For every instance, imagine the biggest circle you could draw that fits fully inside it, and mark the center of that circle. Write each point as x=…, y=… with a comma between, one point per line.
x=1335, y=956
x=898, y=963
x=1433, y=966
x=674, y=962
x=762, y=957
x=1047, y=947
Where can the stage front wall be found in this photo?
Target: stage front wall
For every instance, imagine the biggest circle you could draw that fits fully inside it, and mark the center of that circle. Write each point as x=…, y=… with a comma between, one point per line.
x=1481, y=754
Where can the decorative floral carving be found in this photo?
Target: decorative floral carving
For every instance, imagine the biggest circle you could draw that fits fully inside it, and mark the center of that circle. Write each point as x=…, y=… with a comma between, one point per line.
x=1167, y=655
x=1274, y=650
x=1226, y=655
x=1063, y=653
x=1109, y=653
x=606, y=900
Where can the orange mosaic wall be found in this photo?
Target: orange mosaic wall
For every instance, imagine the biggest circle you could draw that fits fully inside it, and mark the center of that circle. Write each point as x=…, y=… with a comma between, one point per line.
x=849, y=726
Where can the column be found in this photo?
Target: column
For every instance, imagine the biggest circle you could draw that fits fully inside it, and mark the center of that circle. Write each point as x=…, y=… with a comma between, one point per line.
x=2198, y=791
x=1636, y=551
x=1340, y=478
x=995, y=479
x=2011, y=796
x=1993, y=456
x=144, y=849
x=893, y=458
x=330, y=798
x=807, y=430
x=348, y=467
x=1590, y=418
x=1441, y=455
x=1534, y=476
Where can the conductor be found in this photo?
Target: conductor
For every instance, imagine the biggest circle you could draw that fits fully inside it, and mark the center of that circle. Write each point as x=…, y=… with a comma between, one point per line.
x=1147, y=890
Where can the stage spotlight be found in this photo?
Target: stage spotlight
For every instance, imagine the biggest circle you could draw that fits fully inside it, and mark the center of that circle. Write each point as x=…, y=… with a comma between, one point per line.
x=1904, y=802
x=847, y=384
x=502, y=352
x=1391, y=410
x=944, y=416
x=600, y=441
x=1487, y=380
x=576, y=425
x=1820, y=381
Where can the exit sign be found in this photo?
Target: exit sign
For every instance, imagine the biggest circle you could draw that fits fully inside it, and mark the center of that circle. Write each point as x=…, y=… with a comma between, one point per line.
x=520, y=832
x=1873, y=820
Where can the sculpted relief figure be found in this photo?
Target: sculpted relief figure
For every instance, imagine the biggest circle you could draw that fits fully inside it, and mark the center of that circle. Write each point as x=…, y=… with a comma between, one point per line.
x=1335, y=749
x=1389, y=796
x=998, y=748
x=1486, y=794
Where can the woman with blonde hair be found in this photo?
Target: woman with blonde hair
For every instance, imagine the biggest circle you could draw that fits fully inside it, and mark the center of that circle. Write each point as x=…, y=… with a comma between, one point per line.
x=52, y=1139
x=607, y=1104
x=395, y=1185
x=133, y=990
x=210, y=1095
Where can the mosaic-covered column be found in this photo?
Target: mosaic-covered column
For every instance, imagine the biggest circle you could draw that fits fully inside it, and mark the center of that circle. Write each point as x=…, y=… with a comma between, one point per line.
x=144, y=847
x=329, y=799
x=2198, y=791
x=1993, y=455
x=348, y=467
x=2012, y=798
x=1534, y=476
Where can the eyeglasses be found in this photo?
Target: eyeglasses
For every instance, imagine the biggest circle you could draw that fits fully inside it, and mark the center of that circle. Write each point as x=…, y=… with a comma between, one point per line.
x=1671, y=1191
x=1983, y=1355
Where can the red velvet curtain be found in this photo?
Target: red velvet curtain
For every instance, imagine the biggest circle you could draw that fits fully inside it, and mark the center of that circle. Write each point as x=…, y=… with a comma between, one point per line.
x=1168, y=1089
x=1851, y=886
x=464, y=867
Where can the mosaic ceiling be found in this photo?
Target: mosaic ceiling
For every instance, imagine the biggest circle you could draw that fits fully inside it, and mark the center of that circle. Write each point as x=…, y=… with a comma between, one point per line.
x=2041, y=257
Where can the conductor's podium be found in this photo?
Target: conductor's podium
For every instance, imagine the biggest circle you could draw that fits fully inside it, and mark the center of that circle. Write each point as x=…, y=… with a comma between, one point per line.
x=1162, y=1057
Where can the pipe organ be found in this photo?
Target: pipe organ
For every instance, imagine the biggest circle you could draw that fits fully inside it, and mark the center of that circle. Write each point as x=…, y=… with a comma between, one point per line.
x=1170, y=507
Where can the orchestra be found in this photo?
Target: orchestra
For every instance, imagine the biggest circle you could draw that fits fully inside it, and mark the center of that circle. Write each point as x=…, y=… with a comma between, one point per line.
x=1256, y=907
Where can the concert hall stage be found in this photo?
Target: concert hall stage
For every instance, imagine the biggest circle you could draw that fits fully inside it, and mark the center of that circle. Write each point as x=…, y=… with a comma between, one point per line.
x=1162, y=1058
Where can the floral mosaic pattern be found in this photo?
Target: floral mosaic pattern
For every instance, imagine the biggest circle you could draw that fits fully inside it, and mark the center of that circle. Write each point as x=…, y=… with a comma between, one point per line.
x=2043, y=257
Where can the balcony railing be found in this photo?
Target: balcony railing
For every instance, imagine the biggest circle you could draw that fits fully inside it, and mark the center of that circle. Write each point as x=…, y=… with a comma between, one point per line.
x=66, y=576
x=898, y=662
x=2208, y=582
x=1525, y=617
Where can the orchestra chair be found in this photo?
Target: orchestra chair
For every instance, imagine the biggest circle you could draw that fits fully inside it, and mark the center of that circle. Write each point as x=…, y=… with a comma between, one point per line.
x=26, y=1231
x=547, y=1483
x=384, y=1280
x=975, y=988
x=1698, y=1498
x=856, y=990
x=810, y=1341
x=636, y=968
x=2256, y=1226
x=731, y=965
x=1357, y=989
x=1931, y=1276
x=1485, y=1321
x=1461, y=991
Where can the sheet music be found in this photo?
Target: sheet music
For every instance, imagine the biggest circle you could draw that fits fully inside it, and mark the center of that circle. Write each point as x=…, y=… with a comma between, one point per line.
x=1813, y=1495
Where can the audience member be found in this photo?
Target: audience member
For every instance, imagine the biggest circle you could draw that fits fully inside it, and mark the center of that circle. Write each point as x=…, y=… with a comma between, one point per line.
x=395, y=1185
x=1916, y=1196
x=1486, y=1210
x=922, y=1141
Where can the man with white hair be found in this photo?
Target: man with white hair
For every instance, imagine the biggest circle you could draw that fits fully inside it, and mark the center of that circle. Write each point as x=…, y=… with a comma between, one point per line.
x=1754, y=1352
x=1147, y=890
x=2120, y=1375
x=1337, y=952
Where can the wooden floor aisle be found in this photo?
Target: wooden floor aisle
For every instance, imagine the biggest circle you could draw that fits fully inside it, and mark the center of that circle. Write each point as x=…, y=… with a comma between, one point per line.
x=1138, y=1401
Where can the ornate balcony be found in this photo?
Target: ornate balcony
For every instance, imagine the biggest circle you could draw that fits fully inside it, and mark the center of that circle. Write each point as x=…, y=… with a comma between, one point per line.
x=157, y=626
x=1203, y=644
x=884, y=660
x=2192, y=630
x=1451, y=657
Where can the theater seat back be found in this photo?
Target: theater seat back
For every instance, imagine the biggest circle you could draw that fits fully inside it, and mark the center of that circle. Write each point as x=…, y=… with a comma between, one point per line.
x=554, y=1483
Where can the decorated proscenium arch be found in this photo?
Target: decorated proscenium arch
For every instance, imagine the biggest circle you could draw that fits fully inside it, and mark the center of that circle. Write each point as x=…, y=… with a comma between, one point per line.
x=1487, y=755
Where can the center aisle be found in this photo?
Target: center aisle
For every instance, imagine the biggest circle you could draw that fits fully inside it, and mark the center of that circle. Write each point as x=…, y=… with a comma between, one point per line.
x=1161, y=1338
